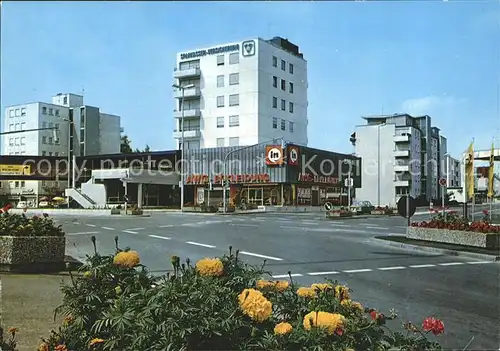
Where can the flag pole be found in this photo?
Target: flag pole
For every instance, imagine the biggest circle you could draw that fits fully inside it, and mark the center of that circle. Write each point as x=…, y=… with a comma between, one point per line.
x=473, y=185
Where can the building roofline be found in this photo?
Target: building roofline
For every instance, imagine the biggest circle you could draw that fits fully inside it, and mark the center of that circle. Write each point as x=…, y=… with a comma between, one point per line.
x=132, y=155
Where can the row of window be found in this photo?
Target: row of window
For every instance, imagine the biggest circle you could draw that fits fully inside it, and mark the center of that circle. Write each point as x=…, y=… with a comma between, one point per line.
x=18, y=112
x=44, y=153
x=283, y=84
x=234, y=100
x=234, y=79
x=18, y=141
x=233, y=141
x=283, y=104
x=234, y=121
x=282, y=124
x=234, y=59
x=51, y=111
x=50, y=140
x=283, y=65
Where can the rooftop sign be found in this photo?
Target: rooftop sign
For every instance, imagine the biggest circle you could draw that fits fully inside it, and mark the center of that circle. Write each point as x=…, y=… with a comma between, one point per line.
x=212, y=51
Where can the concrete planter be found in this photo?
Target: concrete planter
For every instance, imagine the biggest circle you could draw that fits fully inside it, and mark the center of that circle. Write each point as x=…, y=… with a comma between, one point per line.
x=338, y=214
x=32, y=253
x=115, y=211
x=228, y=209
x=136, y=212
x=378, y=212
x=457, y=237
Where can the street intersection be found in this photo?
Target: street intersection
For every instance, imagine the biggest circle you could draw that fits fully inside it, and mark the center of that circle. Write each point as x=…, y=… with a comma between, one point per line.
x=463, y=291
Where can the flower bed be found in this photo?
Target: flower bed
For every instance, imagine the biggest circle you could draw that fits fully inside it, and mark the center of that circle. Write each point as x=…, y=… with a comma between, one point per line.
x=389, y=211
x=30, y=244
x=216, y=304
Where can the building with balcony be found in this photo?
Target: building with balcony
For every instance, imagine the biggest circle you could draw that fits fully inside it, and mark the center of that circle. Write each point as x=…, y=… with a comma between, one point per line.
x=68, y=127
x=401, y=154
x=241, y=93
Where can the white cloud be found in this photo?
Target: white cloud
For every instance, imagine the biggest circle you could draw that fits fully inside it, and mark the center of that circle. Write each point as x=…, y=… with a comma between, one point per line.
x=430, y=105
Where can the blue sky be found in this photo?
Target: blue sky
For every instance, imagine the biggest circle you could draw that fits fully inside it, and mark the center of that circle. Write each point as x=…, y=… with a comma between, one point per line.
x=435, y=57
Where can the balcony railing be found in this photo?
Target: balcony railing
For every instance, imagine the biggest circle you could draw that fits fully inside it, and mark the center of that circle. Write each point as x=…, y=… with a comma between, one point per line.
x=188, y=113
x=187, y=72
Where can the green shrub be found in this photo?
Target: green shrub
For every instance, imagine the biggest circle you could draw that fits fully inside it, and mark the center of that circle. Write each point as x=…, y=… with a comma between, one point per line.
x=114, y=303
x=21, y=225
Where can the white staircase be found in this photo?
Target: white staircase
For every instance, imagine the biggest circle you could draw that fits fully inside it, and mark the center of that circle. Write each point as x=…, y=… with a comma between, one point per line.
x=77, y=195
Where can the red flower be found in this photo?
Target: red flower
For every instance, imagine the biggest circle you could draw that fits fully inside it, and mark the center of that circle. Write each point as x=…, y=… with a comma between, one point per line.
x=339, y=331
x=373, y=314
x=434, y=325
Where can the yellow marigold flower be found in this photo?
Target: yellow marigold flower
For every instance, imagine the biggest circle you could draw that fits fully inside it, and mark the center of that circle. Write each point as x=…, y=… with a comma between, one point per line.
x=331, y=322
x=262, y=284
x=43, y=347
x=350, y=350
x=282, y=285
x=96, y=341
x=255, y=305
x=13, y=330
x=342, y=292
x=210, y=267
x=128, y=259
x=68, y=320
x=306, y=292
x=87, y=274
x=357, y=305
x=321, y=287
x=61, y=348
x=283, y=328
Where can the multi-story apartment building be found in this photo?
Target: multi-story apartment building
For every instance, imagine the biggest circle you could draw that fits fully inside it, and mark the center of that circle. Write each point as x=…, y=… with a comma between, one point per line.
x=69, y=127
x=400, y=154
x=241, y=93
x=453, y=171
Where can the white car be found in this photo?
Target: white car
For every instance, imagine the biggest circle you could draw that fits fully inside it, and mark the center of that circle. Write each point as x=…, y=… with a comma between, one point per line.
x=22, y=204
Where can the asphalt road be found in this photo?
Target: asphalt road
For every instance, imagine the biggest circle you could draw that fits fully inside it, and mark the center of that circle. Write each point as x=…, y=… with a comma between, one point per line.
x=463, y=292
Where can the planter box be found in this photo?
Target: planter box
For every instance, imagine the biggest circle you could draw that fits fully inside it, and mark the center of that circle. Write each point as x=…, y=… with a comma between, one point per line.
x=229, y=209
x=32, y=253
x=376, y=212
x=115, y=211
x=136, y=213
x=338, y=214
x=457, y=237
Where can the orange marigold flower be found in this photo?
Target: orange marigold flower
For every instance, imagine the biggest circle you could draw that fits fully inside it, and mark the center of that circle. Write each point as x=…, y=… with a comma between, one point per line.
x=282, y=285
x=283, y=328
x=211, y=267
x=96, y=341
x=68, y=320
x=253, y=303
x=306, y=292
x=262, y=284
x=128, y=259
x=13, y=330
x=333, y=323
x=321, y=287
x=61, y=348
x=43, y=347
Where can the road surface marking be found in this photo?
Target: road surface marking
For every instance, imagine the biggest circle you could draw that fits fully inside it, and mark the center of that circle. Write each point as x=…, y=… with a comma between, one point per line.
x=287, y=275
x=243, y=225
x=129, y=231
x=376, y=227
x=90, y=225
x=160, y=237
x=373, y=225
x=401, y=226
x=339, y=225
x=261, y=256
x=357, y=270
x=83, y=233
x=391, y=268
x=423, y=265
x=323, y=273
x=133, y=229
x=451, y=264
x=309, y=223
x=166, y=226
x=199, y=244
x=479, y=262
x=108, y=228
x=290, y=227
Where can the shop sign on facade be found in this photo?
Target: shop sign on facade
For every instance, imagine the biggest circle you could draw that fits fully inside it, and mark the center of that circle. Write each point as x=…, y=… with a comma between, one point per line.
x=310, y=178
x=274, y=155
x=233, y=178
x=6, y=170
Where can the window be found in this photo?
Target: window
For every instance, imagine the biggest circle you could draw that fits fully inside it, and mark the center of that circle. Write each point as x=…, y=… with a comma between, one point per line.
x=234, y=100
x=290, y=68
x=56, y=141
x=50, y=153
x=220, y=142
x=11, y=113
x=23, y=183
x=11, y=141
x=275, y=123
x=220, y=60
x=44, y=110
x=57, y=113
x=283, y=105
x=51, y=125
x=23, y=126
x=11, y=128
x=23, y=140
x=290, y=107
x=51, y=112
x=23, y=112
x=275, y=102
x=290, y=88
x=220, y=122
x=283, y=65
x=290, y=126
x=16, y=184
x=234, y=141
x=50, y=140
x=220, y=81
x=275, y=81
x=234, y=58
x=283, y=124
x=220, y=101
x=44, y=124
x=18, y=112
x=56, y=153
x=234, y=121
x=17, y=127
x=57, y=126
x=234, y=79
x=44, y=140
x=65, y=100
x=17, y=141
x=44, y=153
x=283, y=85
x=275, y=61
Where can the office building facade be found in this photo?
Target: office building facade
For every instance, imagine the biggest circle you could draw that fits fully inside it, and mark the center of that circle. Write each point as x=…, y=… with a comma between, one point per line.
x=241, y=93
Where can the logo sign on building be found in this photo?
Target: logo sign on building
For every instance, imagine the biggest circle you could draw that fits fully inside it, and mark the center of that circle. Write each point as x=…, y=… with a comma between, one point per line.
x=248, y=48
x=293, y=155
x=212, y=51
x=274, y=155
x=6, y=170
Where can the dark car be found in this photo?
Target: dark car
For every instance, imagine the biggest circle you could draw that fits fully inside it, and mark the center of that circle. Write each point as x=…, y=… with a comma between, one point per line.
x=362, y=207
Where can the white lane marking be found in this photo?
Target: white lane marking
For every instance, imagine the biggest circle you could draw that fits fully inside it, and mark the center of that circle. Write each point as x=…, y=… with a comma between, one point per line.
x=133, y=229
x=290, y=227
x=159, y=237
x=286, y=275
x=90, y=225
x=199, y=244
x=166, y=226
x=451, y=264
x=261, y=256
x=323, y=273
x=479, y=262
x=309, y=223
x=108, y=228
x=339, y=225
x=401, y=226
x=83, y=233
x=129, y=231
x=357, y=270
x=422, y=265
x=391, y=268
x=376, y=227
x=243, y=225
x=76, y=223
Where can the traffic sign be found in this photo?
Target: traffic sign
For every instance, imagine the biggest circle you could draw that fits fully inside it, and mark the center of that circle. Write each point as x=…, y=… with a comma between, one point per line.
x=407, y=207
x=442, y=181
x=328, y=206
x=348, y=182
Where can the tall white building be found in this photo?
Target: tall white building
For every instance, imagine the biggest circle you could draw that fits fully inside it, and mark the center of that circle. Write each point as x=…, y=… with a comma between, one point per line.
x=241, y=93
x=453, y=171
x=400, y=154
x=87, y=130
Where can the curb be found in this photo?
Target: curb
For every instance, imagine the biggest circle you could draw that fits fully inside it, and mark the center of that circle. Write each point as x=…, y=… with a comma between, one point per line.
x=449, y=252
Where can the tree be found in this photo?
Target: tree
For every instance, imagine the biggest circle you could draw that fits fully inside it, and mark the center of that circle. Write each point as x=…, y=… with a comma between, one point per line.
x=125, y=147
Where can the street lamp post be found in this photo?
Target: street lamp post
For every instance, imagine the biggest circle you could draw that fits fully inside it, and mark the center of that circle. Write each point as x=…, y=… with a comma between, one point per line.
x=182, y=88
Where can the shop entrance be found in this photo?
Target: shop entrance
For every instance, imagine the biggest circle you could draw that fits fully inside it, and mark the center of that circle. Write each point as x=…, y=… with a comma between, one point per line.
x=261, y=195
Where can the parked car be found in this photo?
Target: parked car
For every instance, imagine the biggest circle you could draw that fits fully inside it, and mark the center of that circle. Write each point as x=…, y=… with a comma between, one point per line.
x=44, y=204
x=362, y=207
